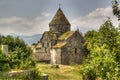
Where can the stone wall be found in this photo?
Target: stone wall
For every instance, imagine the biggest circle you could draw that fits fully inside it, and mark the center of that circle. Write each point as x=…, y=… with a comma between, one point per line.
x=17, y=75
x=74, y=51
x=43, y=54
x=60, y=28
x=41, y=57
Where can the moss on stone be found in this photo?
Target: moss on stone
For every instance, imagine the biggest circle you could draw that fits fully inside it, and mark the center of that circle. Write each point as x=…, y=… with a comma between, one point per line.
x=51, y=34
x=59, y=19
x=66, y=35
x=59, y=45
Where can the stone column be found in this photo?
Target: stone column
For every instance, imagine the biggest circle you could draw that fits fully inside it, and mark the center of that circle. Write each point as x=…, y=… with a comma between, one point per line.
x=5, y=49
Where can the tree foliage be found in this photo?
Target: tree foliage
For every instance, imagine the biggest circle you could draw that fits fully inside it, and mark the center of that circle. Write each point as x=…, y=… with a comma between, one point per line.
x=19, y=54
x=103, y=62
x=116, y=9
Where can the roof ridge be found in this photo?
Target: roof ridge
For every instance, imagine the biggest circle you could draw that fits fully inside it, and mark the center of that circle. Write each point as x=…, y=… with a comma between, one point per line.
x=59, y=19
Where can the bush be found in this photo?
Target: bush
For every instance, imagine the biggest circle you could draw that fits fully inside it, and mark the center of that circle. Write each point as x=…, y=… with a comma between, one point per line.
x=20, y=59
x=103, y=59
x=20, y=56
x=37, y=74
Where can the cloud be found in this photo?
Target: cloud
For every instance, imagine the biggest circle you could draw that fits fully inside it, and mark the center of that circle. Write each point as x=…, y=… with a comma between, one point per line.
x=94, y=19
x=46, y=14
x=23, y=26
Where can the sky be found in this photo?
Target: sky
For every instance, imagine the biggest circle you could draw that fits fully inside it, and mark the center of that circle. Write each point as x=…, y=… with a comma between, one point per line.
x=29, y=17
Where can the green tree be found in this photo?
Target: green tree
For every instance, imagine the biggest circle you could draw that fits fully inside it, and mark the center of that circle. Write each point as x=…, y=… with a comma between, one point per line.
x=116, y=9
x=19, y=54
x=103, y=60
x=9, y=40
x=21, y=59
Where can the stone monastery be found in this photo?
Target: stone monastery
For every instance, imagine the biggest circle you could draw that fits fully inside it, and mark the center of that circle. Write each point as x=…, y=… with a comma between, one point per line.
x=60, y=45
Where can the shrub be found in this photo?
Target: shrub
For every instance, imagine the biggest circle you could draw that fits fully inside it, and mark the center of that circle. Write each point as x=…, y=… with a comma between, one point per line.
x=103, y=59
x=19, y=54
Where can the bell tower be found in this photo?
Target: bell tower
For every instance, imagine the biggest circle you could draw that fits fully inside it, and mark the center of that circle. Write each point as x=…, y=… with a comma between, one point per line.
x=59, y=23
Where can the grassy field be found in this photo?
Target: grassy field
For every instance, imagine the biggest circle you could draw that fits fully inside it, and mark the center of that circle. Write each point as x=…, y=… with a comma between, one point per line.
x=64, y=72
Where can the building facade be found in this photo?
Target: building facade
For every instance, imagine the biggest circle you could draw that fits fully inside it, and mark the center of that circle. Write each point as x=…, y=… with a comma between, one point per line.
x=60, y=45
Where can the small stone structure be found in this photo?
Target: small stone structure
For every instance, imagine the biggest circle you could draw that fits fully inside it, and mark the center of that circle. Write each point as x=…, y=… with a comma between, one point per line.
x=16, y=75
x=4, y=49
x=60, y=45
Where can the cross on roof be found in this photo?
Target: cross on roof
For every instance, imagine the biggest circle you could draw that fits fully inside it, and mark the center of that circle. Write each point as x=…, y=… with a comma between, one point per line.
x=59, y=5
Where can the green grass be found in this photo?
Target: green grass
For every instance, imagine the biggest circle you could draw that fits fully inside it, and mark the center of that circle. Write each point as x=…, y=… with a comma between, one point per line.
x=64, y=72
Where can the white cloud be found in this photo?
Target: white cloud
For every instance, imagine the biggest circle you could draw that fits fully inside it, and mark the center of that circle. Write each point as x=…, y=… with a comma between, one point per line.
x=94, y=19
x=46, y=14
x=23, y=26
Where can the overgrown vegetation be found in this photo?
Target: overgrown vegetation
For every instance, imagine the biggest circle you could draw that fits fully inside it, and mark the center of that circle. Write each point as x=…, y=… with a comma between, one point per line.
x=66, y=35
x=103, y=61
x=64, y=72
x=19, y=58
x=19, y=54
x=116, y=9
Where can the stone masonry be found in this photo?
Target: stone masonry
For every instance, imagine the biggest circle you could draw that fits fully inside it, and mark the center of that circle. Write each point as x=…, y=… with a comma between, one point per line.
x=60, y=45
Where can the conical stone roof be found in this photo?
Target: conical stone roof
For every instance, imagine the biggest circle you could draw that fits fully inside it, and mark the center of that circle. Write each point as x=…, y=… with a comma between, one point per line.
x=59, y=19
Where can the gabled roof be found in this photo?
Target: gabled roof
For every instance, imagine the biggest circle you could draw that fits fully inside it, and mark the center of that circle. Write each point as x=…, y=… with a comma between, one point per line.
x=66, y=35
x=59, y=19
x=49, y=34
x=59, y=45
x=38, y=45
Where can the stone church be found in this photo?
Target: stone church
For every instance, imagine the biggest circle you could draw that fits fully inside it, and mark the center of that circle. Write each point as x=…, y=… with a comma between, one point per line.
x=60, y=45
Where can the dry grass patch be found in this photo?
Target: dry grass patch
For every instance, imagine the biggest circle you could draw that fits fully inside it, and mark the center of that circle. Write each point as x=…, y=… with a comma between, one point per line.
x=64, y=72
